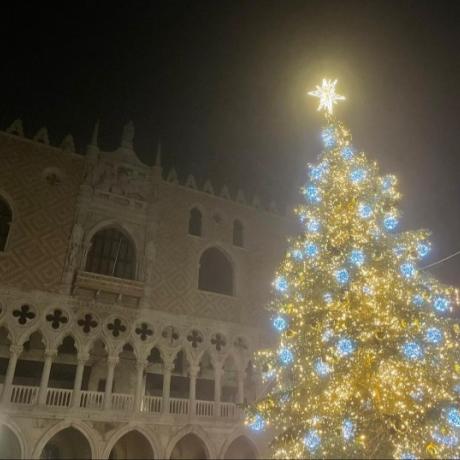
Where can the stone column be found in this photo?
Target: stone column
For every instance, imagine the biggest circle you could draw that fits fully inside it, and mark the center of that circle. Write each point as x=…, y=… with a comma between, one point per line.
x=76, y=395
x=240, y=394
x=15, y=352
x=112, y=361
x=167, y=370
x=49, y=356
x=193, y=371
x=140, y=366
x=218, y=372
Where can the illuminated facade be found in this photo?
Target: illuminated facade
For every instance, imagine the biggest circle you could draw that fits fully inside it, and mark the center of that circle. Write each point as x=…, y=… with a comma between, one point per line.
x=130, y=305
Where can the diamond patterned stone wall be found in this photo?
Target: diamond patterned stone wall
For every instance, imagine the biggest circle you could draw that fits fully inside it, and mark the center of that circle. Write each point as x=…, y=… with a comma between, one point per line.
x=43, y=211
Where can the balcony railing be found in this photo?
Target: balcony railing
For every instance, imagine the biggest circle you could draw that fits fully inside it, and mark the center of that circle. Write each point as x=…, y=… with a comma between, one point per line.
x=60, y=398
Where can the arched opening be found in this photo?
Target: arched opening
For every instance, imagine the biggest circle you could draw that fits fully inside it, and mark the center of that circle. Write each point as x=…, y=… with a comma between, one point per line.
x=190, y=447
x=154, y=374
x=6, y=216
x=238, y=234
x=195, y=222
x=229, y=381
x=180, y=380
x=216, y=272
x=68, y=443
x=29, y=368
x=9, y=444
x=5, y=344
x=205, y=379
x=112, y=253
x=240, y=448
x=132, y=445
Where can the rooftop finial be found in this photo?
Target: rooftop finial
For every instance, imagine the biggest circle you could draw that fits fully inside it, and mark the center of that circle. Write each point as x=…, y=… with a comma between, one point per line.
x=127, y=135
x=95, y=136
x=158, y=155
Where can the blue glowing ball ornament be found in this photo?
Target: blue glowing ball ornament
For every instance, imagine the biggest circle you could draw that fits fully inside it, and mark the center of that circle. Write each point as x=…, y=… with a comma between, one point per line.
x=390, y=221
x=412, y=351
x=358, y=175
x=368, y=289
x=319, y=171
x=258, y=424
x=418, y=300
x=364, y=211
x=327, y=335
x=453, y=417
x=280, y=323
x=312, y=440
x=286, y=356
x=312, y=193
x=327, y=298
x=348, y=429
x=311, y=250
x=423, y=249
x=347, y=153
x=357, y=257
x=434, y=335
x=342, y=277
x=408, y=270
x=345, y=347
x=322, y=368
x=313, y=226
x=328, y=136
x=281, y=284
x=441, y=304
x=297, y=254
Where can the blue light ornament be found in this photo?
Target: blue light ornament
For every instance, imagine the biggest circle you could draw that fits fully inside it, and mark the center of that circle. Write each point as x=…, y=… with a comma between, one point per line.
x=412, y=351
x=347, y=152
x=434, y=335
x=322, y=368
x=311, y=250
x=312, y=440
x=342, y=277
x=453, y=417
x=390, y=222
x=328, y=136
x=408, y=270
x=441, y=304
x=280, y=323
x=358, y=175
x=258, y=424
x=313, y=226
x=285, y=356
x=345, y=347
x=319, y=171
x=357, y=257
x=312, y=194
x=423, y=249
x=348, y=429
x=281, y=284
x=365, y=210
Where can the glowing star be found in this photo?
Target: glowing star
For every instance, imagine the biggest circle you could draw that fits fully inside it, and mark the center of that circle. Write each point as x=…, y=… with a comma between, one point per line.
x=327, y=95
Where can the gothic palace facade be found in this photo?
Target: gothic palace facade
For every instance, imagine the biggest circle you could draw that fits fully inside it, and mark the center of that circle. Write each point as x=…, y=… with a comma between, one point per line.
x=130, y=305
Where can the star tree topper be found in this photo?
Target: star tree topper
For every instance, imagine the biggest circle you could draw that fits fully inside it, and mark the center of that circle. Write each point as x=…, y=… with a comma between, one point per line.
x=327, y=95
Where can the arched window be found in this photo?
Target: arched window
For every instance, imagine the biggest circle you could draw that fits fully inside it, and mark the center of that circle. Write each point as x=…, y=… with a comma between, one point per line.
x=112, y=253
x=216, y=272
x=238, y=234
x=5, y=221
x=194, y=222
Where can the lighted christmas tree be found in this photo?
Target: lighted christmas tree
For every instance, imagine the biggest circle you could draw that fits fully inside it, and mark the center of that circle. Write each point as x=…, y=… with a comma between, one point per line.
x=368, y=357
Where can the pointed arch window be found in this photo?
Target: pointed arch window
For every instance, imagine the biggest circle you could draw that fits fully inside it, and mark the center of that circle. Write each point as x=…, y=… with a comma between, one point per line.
x=215, y=272
x=112, y=253
x=6, y=216
x=195, y=222
x=238, y=234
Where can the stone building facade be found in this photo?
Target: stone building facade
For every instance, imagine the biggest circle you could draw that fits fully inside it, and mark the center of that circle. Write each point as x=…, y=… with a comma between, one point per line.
x=130, y=305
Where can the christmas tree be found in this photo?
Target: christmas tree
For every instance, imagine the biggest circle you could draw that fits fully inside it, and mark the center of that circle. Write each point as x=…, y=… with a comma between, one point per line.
x=368, y=358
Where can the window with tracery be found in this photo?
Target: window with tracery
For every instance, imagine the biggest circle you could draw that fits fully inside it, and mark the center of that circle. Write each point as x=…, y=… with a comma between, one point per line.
x=6, y=216
x=216, y=272
x=112, y=253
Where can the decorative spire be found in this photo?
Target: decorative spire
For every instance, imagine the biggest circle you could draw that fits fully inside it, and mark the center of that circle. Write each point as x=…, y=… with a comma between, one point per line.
x=158, y=156
x=127, y=135
x=95, y=136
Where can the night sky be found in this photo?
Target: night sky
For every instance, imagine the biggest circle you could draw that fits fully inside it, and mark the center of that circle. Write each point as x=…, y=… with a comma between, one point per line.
x=223, y=85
